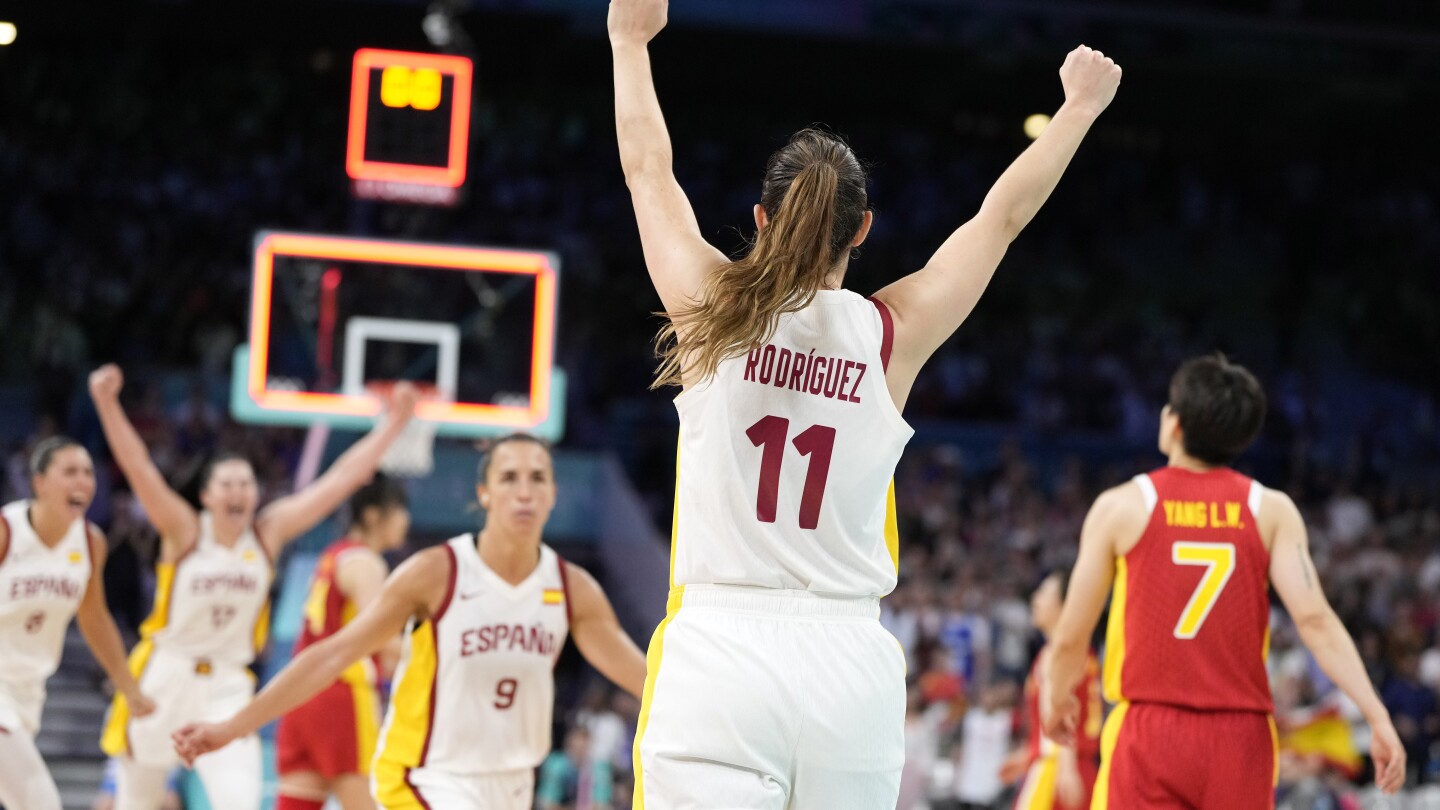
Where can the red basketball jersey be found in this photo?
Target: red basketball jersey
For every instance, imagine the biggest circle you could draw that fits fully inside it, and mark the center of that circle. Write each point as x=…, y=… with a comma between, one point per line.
x=1092, y=713
x=327, y=609
x=1189, y=618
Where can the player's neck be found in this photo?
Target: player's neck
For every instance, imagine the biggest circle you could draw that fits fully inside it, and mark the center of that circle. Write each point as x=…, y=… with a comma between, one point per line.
x=48, y=527
x=1179, y=458
x=369, y=540
x=512, y=557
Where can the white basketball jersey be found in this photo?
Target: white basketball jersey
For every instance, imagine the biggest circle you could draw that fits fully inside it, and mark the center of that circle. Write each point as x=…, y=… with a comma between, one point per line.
x=787, y=457
x=475, y=687
x=213, y=604
x=40, y=590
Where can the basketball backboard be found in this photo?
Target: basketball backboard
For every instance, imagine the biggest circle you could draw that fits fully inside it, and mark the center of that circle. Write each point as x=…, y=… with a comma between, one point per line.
x=331, y=316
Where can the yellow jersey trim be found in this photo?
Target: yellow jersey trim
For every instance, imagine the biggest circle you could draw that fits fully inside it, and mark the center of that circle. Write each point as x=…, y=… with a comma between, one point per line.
x=652, y=672
x=1115, y=636
x=892, y=527
x=1108, y=741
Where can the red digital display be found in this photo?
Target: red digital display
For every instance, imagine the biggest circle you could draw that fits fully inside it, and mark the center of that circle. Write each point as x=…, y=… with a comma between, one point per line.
x=409, y=122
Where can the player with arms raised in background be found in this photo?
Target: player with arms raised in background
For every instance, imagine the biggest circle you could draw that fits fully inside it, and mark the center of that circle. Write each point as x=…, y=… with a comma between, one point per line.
x=323, y=748
x=772, y=683
x=212, y=598
x=1191, y=551
x=485, y=616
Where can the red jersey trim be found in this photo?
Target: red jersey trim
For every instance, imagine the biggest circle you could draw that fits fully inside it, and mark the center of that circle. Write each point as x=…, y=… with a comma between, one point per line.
x=9, y=539
x=887, y=332
x=565, y=586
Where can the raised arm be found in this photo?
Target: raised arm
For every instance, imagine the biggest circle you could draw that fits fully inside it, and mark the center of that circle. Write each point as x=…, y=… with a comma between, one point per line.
x=931, y=303
x=291, y=516
x=416, y=589
x=1111, y=518
x=1292, y=573
x=172, y=517
x=599, y=636
x=677, y=255
x=101, y=635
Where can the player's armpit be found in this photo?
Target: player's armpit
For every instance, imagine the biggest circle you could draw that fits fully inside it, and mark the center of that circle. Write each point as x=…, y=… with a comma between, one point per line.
x=598, y=634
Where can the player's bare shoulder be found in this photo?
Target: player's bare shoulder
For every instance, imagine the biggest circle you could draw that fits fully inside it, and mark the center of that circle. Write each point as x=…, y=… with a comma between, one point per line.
x=1278, y=514
x=1120, y=514
x=426, y=579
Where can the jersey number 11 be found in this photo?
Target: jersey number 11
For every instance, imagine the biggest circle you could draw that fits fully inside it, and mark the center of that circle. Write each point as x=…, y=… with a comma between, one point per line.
x=816, y=441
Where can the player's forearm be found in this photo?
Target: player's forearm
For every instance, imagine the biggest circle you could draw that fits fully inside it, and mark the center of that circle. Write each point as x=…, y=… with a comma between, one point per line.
x=103, y=638
x=1066, y=664
x=125, y=443
x=639, y=123
x=1025, y=186
x=303, y=678
x=1326, y=638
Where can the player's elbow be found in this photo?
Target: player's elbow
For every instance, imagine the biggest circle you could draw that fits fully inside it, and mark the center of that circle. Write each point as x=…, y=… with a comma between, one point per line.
x=644, y=164
x=1315, y=623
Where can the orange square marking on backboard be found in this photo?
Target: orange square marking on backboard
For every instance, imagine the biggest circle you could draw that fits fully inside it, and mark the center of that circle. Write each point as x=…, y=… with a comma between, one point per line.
x=453, y=173
x=338, y=248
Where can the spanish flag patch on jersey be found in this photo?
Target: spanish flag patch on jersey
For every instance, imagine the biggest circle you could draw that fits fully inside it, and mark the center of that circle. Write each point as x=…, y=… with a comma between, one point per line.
x=553, y=596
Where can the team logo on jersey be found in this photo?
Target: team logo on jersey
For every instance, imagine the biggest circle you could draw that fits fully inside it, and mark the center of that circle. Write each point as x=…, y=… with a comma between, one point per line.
x=34, y=622
x=75, y=557
x=553, y=596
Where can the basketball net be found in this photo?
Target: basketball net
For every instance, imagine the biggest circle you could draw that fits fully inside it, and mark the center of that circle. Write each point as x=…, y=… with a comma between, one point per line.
x=412, y=455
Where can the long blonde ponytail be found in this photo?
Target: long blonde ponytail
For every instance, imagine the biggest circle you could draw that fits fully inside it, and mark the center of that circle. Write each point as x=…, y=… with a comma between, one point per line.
x=814, y=192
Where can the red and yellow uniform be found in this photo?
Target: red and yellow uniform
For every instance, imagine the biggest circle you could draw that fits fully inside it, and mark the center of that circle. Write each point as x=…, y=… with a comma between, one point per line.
x=1185, y=652
x=1037, y=792
x=334, y=734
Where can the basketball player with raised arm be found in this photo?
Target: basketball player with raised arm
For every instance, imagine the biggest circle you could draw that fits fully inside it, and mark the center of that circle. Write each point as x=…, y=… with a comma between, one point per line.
x=484, y=617
x=212, y=598
x=772, y=683
x=324, y=747
x=51, y=565
x=1191, y=551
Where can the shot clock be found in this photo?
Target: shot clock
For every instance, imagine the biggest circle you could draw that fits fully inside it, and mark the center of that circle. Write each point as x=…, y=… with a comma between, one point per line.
x=409, y=126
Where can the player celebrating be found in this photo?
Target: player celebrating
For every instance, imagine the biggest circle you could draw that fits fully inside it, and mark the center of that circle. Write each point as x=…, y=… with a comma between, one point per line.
x=1058, y=777
x=324, y=747
x=211, y=598
x=484, y=616
x=1191, y=550
x=51, y=564
x=771, y=681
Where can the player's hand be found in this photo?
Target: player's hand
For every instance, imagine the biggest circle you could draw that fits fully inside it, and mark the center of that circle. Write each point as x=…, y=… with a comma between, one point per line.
x=403, y=400
x=1069, y=789
x=106, y=382
x=1059, y=717
x=196, y=739
x=1013, y=769
x=1090, y=79
x=1388, y=755
x=140, y=705
x=636, y=22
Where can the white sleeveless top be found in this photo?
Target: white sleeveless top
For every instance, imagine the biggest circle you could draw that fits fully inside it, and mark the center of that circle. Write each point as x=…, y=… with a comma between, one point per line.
x=40, y=590
x=786, y=459
x=475, y=687
x=213, y=604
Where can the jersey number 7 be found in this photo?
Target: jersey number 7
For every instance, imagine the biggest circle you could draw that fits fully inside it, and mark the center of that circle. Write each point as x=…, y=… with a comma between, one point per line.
x=816, y=441
x=1219, y=562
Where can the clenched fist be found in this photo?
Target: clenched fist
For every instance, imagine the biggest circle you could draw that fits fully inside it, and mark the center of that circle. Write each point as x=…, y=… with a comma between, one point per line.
x=1090, y=79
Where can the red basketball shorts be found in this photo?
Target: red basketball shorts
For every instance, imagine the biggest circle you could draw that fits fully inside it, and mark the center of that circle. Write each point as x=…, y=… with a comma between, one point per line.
x=333, y=735
x=1157, y=756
